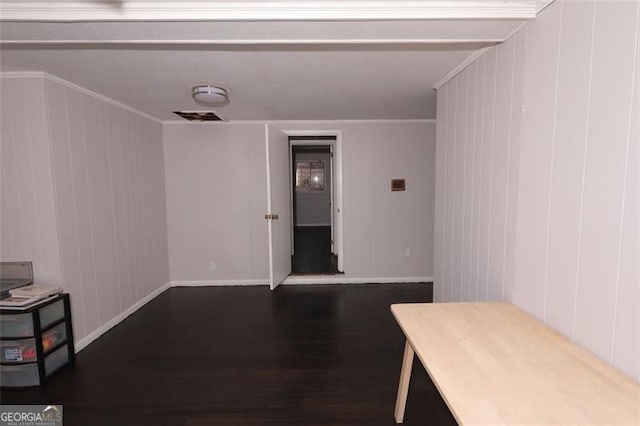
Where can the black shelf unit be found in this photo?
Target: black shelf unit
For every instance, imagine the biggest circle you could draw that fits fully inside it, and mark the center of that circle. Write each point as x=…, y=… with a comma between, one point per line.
x=35, y=342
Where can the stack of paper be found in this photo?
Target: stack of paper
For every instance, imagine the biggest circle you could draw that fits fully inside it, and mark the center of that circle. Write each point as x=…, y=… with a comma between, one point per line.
x=26, y=296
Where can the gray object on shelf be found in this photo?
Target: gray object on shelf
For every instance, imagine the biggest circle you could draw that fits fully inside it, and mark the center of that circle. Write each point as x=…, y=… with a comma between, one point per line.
x=14, y=275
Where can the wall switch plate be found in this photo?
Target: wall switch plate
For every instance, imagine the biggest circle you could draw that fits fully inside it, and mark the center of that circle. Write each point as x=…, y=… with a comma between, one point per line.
x=212, y=265
x=407, y=253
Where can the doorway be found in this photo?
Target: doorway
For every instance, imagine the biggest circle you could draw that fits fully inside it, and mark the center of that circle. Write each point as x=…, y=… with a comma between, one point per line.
x=312, y=195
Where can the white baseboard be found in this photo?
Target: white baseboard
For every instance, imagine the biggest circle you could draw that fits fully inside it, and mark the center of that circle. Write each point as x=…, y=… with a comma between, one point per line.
x=339, y=279
x=210, y=283
x=85, y=341
x=303, y=279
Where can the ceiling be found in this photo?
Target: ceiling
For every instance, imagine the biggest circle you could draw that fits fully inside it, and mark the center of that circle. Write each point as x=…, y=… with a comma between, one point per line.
x=276, y=67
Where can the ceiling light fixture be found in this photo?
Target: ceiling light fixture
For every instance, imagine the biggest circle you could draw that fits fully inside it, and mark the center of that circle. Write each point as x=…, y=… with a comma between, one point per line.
x=209, y=94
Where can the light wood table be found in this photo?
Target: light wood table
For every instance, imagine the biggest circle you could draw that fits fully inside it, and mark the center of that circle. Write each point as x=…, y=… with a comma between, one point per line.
x=494, y=364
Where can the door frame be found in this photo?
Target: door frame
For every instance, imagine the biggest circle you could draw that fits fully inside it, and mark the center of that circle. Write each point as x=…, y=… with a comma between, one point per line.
x=337, y=210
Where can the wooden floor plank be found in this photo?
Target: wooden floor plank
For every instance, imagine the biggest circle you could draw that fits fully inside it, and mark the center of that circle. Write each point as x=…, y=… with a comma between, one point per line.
x=301, y=355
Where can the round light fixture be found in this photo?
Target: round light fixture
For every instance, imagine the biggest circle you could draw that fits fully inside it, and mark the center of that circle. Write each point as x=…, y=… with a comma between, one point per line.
x=209, y=94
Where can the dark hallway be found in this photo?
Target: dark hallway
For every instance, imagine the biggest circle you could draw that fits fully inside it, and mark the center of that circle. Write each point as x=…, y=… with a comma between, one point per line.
x=312, y=251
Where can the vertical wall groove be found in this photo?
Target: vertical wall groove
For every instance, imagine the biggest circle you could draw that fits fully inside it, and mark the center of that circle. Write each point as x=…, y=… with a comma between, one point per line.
x=445, y=193
x=10, y=113
x=30, y=155
x=491, y=153
x=54, y=183
x=74, y=212
x=509, y=142
x=109, y=142
x=481, y=169
x=84, y=118
x=464, y=187
x=584, y=173
x=550, y=186
x=452, y=143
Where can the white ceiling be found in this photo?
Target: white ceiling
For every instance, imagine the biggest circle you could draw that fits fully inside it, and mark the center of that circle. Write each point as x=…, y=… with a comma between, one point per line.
x=275, y=70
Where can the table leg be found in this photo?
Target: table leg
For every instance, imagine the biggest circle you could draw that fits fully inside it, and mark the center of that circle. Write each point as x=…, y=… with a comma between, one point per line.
x=403, y=387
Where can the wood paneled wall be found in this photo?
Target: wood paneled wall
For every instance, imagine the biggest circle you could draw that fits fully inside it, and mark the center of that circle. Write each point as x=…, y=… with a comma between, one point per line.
x=537, y=183
x=83, y=197
x=28, y=230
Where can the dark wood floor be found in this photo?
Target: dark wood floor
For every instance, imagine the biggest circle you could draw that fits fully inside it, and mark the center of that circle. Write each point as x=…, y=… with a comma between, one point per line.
x=301, y=355
x=312, y=247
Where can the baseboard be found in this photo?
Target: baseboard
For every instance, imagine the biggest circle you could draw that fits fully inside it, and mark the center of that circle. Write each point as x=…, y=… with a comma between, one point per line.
x=340, y=279
x=85, y=341
x=303, y=279
x=210, y=283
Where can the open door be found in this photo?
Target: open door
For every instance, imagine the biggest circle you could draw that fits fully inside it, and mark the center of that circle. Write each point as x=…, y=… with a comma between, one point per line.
x=279, y=210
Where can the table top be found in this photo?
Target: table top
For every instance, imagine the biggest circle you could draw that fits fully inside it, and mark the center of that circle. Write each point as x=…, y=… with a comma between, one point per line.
x=495, y=364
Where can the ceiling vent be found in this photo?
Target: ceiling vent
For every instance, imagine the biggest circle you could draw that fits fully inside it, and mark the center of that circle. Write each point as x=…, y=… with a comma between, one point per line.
x=199, y=115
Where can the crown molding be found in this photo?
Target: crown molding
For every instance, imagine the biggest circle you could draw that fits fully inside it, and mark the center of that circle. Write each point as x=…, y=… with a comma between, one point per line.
x=251, y=42
x=63, y=82
x=298, y=122
x=460, y=67
x=23, y=74
x=100, y=97
x=476, y=54
x=542, y=4
x=310, y=10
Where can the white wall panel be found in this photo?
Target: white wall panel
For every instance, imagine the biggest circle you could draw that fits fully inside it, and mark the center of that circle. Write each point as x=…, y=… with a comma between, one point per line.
x=63, y=178
x=28, y=216
x=107, y=162
x=625, y=350
x=396, y=152
x=208, y=219
x=568, y=163
x=83, y=197
x=458, y=185
x=603, y=183
x=468, y=195
x=483, y=177
x=81, y=208
x=209, y=201
x=515, y=125
x=440, y=193
x=500, y=168
x=557, y=175
x=486, y=193
x=478, y=154
x=536, y=157
x=450, y=194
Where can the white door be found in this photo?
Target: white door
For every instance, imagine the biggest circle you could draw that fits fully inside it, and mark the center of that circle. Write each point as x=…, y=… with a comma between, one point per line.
x=333, y=184
x=279, y=210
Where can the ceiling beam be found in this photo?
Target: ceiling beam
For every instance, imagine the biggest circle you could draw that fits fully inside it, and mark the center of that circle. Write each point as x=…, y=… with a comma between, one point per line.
x=303, y=10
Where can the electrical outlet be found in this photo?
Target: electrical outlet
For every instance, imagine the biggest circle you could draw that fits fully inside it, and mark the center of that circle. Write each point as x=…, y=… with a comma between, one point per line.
x=407, y=253
x=212, y=265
